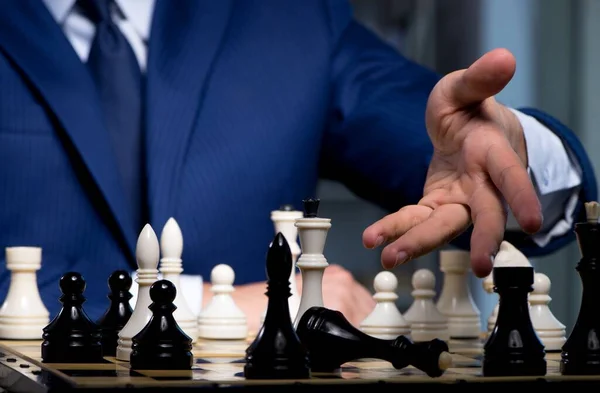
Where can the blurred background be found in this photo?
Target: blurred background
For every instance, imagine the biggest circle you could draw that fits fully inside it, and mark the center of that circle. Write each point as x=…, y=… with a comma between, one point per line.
x=554, y=42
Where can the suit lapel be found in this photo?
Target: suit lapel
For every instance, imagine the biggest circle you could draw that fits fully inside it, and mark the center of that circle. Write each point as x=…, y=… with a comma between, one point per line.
x=184, y=41
x=36, y=44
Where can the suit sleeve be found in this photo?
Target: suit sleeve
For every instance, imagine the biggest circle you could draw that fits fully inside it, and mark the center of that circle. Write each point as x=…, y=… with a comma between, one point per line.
x=376, y=142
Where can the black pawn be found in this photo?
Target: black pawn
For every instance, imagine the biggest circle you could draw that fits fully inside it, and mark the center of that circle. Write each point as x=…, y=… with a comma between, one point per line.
x=118, y=313
x=71, y=337
x=277, y=353
x=332, y=341
x=161, y=344
x=311, y=207
x=581, y=352
x=513, y=348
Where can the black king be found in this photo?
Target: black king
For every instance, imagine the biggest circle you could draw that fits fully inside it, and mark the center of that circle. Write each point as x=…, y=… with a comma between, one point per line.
x=581, y=352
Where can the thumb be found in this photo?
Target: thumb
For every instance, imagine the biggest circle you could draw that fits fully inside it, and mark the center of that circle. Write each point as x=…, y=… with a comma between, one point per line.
x=485, y=78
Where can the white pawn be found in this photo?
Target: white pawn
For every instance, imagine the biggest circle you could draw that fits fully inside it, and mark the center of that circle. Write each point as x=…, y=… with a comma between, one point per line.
x=171, y=243
x=23, y=314
x=426, y=322
x=147, y=255
x=385, y=321
x=222, y=319
x=488, y=286
x=550, y=331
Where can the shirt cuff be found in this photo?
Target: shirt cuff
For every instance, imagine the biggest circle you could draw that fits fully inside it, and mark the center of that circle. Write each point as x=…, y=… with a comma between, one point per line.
x=556, y=176
x=551, y=166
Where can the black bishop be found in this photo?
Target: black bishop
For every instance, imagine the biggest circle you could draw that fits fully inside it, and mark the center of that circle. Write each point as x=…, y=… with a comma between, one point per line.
x=277, y=352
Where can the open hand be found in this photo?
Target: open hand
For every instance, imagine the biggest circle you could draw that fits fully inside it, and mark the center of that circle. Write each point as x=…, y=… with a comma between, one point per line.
x=477, y=171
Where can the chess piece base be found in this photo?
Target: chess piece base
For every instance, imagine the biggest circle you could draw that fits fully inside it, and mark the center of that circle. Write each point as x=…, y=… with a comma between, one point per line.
x=385, y=333
x=276, y=369
x=577, y=358
x=22, y=328
x=222, y=328
x=222, y=347
x=552, y=344
x=161, y=360
x=421, y=332
x=109, y=342
x=513, y=366
x=587, y=366
x=466, y=345
x=58, y=351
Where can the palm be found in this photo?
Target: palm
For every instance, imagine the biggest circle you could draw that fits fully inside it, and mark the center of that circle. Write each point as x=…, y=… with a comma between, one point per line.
x=458, y=169
x=477, y=165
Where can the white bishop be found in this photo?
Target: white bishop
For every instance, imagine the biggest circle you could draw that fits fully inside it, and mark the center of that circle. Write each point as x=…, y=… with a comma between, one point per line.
x=147, y=255
x=456, y=301
x=171, y=244
x=23, y=314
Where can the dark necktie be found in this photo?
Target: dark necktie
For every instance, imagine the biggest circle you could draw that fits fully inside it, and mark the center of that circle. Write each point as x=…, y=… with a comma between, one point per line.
x=119, y=81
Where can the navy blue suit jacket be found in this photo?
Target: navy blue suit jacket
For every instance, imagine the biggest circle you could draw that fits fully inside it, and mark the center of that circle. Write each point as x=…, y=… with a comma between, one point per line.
x=248, y=103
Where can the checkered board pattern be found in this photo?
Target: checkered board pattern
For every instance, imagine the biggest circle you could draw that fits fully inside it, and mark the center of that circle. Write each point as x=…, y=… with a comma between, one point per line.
x=20, y=361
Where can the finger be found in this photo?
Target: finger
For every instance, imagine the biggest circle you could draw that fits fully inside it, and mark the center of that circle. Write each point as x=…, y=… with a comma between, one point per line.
x=485, y=78
x=511, y=178
x=394, y=225
x=444, y=224
x=489, y=223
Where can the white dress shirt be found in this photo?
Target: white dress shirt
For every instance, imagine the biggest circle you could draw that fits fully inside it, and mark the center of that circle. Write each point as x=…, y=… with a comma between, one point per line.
x=554, y=171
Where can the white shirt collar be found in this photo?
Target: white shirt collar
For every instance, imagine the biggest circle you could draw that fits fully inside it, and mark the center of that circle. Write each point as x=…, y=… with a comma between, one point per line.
x=59, y=9
x=137, y=12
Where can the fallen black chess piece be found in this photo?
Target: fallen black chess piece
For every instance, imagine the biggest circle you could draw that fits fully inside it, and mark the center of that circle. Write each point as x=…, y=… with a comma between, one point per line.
x=332, y=341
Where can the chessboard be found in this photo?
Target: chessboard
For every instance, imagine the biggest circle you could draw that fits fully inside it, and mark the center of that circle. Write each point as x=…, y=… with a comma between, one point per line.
x=215, y=350
x=21, y=370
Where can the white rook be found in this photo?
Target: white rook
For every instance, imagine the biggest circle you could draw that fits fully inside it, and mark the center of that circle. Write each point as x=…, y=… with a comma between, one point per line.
x=455, y=301
x=23, y=314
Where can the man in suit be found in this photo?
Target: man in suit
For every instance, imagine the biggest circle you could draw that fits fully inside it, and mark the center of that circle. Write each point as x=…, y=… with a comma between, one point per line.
x=113, y=114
